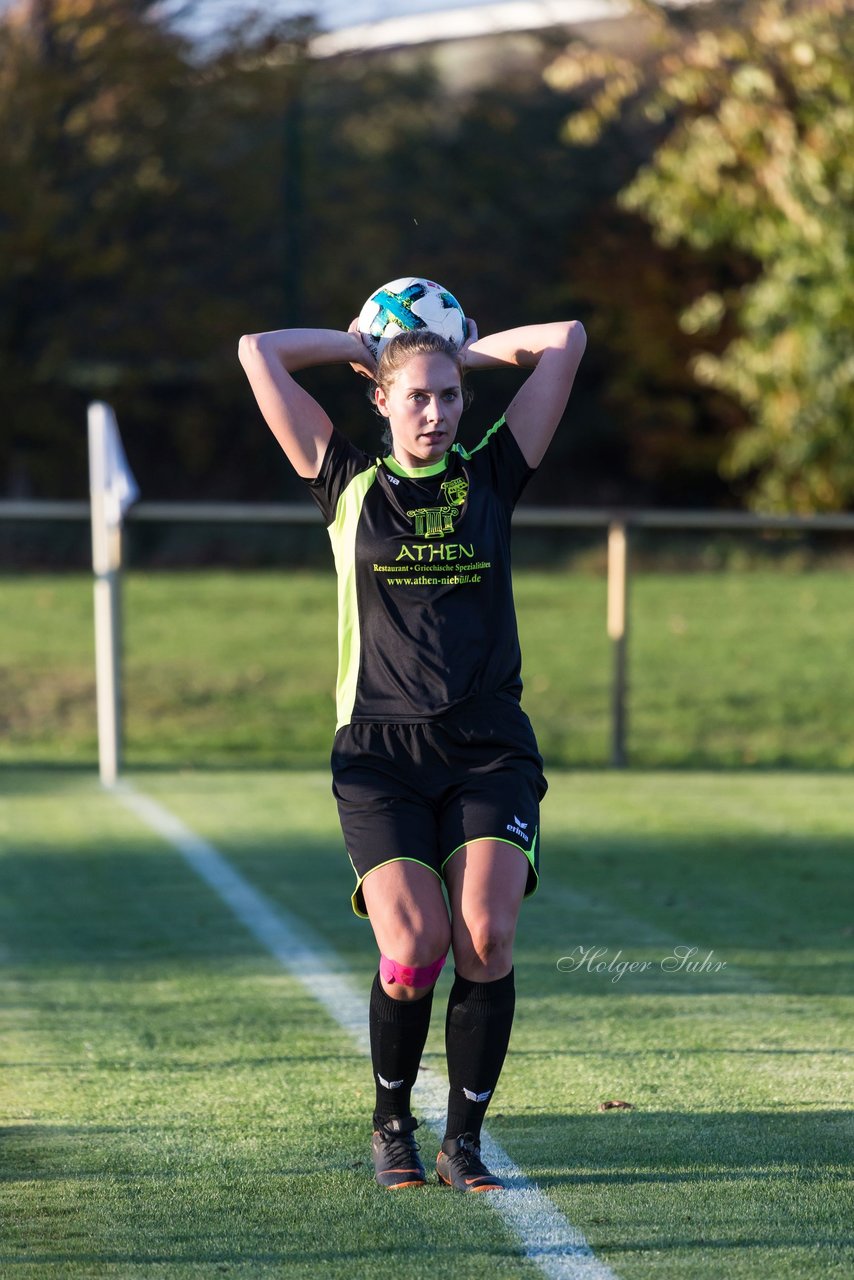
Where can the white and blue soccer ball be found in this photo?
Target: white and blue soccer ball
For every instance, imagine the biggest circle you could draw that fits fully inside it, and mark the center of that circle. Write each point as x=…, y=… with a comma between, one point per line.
x=410, y=303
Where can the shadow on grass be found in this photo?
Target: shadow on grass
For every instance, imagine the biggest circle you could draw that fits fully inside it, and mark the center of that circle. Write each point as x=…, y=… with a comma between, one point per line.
x=128, y=904
x=673, y=1146
x=267, y=1197
x=124, y=907
x=777, y=1180
x=776, y=1161
x=732, y=1181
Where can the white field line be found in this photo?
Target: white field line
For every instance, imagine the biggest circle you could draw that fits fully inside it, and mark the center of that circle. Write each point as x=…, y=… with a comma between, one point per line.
x=551, y=1242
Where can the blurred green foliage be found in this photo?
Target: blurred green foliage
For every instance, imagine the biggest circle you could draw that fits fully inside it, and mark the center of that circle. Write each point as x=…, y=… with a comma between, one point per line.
x=158, y=199
x=756, y=109
x=125, y=171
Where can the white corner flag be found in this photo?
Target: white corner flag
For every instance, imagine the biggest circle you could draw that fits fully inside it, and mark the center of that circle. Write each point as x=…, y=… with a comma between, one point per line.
x=122, y=491
x=112, y=489
x=109, y=472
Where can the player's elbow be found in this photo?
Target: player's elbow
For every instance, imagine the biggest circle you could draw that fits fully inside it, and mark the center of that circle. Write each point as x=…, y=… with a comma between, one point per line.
x=575, y=336
x=248, y=348
x=255, y=349
x=566, y=336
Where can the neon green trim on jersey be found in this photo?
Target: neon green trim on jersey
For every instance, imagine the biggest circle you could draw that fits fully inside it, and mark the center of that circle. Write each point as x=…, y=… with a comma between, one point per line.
x=355, y=899
x=342, y=535
x=466, y=453
x=416, y=473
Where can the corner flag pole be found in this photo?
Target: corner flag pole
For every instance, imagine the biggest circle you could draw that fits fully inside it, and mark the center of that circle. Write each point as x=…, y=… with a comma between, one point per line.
x=112, y=490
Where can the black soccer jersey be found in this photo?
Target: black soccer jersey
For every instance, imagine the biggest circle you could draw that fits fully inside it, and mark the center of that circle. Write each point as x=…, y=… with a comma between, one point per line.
x=425, y=601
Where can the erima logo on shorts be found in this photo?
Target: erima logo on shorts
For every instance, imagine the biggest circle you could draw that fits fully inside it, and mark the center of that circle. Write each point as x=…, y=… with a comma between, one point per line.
x=389, y=1084
x=476, y=1097
x=519, y=828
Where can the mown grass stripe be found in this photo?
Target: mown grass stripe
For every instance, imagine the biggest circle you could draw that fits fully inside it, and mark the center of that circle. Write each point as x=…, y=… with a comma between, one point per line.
x=547, y=1238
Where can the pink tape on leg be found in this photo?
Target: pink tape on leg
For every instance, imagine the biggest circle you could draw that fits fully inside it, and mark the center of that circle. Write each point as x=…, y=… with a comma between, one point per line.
x=406, y=975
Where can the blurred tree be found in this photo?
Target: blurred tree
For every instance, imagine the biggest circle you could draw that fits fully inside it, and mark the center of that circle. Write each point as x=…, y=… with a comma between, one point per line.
x=476, y=189
x=755, y=110
x=402, y=179
x=125, y=168
x=159, y=199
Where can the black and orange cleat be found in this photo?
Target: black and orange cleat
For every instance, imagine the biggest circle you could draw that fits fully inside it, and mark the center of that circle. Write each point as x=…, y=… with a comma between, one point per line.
x=459, y=1165
x=395, y=1151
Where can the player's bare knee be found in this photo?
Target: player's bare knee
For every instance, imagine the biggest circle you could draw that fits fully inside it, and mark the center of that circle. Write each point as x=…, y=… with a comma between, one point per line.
x=485, y=950
x=418, y=949
x=414, y=939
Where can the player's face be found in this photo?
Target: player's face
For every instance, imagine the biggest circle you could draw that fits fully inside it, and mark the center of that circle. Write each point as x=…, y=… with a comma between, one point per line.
x=423, y=407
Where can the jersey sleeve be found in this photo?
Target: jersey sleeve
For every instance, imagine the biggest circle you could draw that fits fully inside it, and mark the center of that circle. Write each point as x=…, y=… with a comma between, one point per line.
x=508, y=471
x=341, y=463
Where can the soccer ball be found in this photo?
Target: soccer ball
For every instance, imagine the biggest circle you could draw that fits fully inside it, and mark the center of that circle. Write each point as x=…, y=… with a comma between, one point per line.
x=410, y=303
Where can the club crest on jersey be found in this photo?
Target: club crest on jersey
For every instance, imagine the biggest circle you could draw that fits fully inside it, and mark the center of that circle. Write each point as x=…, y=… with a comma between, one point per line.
x=456, y=491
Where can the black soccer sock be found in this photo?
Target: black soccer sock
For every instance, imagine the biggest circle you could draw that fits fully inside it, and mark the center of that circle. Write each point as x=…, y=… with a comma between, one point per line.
x=398, y=1035
x=477, y=1033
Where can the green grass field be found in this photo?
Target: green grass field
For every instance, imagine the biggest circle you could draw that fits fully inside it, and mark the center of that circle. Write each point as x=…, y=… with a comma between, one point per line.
x=174, y=1105
x=237, y=669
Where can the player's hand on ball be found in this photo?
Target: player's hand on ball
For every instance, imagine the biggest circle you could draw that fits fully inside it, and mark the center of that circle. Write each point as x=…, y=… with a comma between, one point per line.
x=471, y=336
x=364, y=362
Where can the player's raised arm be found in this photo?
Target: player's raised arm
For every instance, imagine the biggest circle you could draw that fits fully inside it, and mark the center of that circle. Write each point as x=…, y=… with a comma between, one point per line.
x=553, y=352
x=297, y=421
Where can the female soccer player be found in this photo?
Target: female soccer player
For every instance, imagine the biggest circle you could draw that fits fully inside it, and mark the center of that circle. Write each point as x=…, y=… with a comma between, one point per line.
x=435, y=766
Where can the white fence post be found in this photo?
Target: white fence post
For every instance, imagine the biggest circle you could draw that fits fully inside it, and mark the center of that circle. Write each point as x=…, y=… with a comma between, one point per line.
x=618, y=629
x=112, y=488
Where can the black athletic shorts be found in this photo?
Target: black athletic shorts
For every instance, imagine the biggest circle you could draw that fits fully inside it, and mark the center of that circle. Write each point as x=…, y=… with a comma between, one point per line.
x=421, y=791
